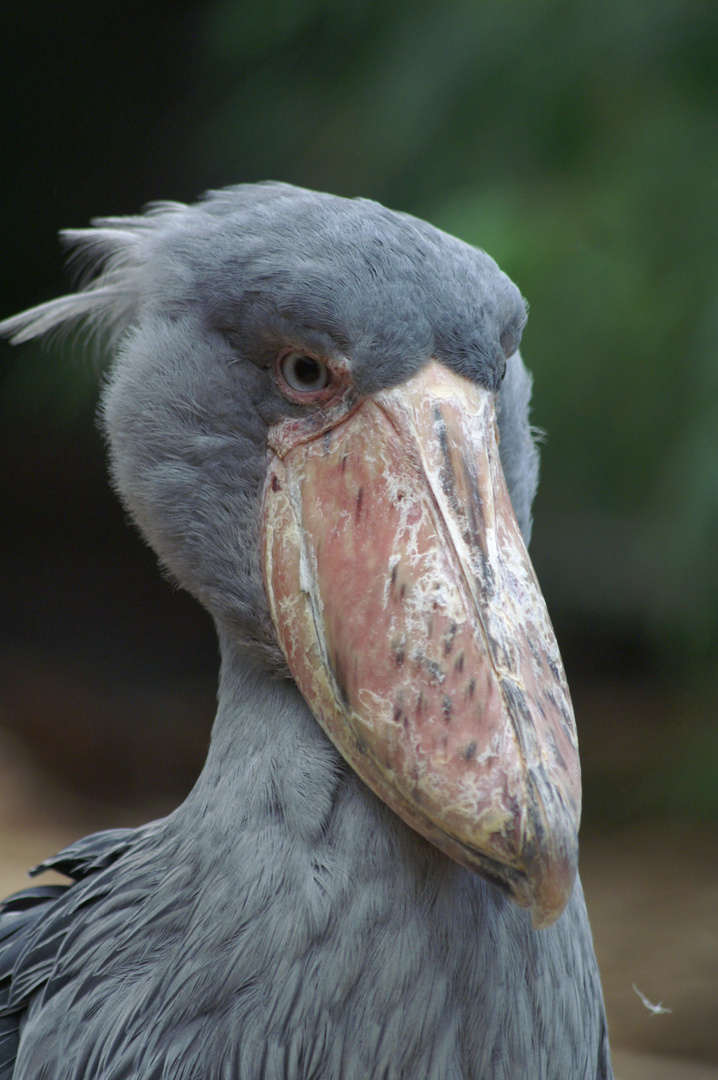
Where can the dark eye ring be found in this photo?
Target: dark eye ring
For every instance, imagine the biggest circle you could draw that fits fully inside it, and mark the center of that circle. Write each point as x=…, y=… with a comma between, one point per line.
x=304, y=374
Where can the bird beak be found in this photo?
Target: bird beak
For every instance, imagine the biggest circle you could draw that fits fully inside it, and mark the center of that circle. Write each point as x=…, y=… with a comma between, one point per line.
x=411, y=619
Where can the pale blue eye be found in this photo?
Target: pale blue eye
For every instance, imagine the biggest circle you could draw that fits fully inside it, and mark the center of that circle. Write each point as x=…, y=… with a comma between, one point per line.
x=303, y=373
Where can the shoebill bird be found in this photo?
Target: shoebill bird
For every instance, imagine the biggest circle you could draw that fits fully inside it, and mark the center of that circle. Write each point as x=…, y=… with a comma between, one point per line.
x=318, y=418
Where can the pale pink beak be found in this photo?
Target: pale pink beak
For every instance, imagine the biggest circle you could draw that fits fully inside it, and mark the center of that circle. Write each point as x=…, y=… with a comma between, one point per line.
x=411, y=619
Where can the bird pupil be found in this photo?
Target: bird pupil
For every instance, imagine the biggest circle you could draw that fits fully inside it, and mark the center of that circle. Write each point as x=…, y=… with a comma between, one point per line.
x=306, y=369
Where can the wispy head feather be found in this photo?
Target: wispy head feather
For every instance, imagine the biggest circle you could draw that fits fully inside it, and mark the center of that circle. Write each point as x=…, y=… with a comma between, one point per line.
x=107, y=260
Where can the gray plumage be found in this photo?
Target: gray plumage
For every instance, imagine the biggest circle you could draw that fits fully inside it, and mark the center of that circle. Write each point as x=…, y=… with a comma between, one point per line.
x=283, y=922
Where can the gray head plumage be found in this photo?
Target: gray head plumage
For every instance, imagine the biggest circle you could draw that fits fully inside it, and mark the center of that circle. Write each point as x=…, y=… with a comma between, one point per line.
x=194, y=301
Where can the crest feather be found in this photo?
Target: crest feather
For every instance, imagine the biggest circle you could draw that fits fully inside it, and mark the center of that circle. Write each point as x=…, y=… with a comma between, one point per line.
x=108, y=259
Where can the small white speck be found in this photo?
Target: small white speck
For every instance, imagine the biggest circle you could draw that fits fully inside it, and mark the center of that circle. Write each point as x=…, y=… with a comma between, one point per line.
x=656, y=1010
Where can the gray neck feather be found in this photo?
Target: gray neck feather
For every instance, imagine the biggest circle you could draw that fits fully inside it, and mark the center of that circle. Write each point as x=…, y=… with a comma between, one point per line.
x=268, y=758
x=270, y=768
x=318, y=936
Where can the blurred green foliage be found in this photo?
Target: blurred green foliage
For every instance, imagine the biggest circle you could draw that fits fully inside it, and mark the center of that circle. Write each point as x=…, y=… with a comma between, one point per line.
x=575, y=140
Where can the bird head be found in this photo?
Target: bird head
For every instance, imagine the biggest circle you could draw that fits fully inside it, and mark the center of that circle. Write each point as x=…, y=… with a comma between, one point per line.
x=303, y=415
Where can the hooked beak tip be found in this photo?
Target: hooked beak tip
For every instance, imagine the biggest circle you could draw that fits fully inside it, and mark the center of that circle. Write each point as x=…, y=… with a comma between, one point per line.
x=551, y=892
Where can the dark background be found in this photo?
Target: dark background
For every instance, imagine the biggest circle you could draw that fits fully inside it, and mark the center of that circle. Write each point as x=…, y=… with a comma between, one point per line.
x=578, y=143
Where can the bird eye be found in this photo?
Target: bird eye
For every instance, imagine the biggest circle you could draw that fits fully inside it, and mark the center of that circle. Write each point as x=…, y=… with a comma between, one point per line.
x=303, y=373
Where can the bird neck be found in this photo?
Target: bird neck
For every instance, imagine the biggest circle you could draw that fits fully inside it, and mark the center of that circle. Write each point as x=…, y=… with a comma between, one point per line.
x=268, y=758
x=271, y=772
